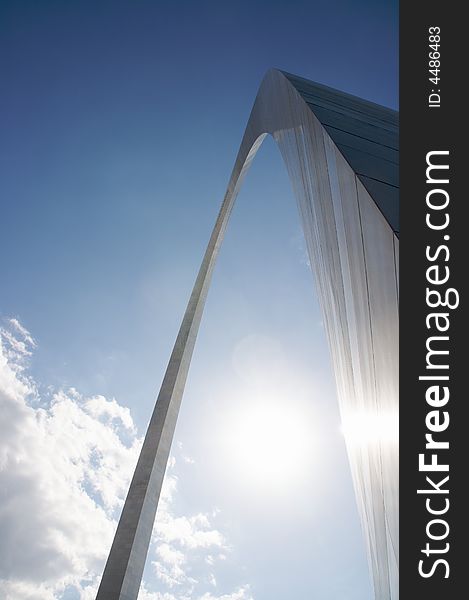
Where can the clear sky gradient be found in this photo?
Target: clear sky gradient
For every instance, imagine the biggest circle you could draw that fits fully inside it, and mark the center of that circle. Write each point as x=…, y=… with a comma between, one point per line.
x=120, y=122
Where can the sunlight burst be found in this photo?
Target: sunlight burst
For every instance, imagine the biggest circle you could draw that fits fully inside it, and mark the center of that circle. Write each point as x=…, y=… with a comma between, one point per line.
x=271, y=442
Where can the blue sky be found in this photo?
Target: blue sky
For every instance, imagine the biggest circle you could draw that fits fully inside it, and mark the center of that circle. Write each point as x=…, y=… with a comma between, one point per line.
x=120, y=124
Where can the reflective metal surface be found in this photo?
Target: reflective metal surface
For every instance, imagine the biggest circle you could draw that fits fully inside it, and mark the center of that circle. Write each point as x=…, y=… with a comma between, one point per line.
x=341, y=155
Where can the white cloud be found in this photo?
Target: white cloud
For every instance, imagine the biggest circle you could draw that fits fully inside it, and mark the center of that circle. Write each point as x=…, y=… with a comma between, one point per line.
x=187, y=459
x=62, y=474
x=242, y=593
x=24, y=333
x=179, y=542
x=65, y=465
x=100, y=408
x=190, y=532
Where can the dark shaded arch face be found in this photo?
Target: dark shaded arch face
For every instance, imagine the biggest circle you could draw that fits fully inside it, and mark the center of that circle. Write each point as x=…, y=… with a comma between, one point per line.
x=367, y=136
x=341, y=154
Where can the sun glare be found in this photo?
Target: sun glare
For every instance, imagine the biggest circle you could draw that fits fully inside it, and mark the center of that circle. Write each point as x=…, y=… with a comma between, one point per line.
x=268, y=430
x=365, y=428
x=271, y=442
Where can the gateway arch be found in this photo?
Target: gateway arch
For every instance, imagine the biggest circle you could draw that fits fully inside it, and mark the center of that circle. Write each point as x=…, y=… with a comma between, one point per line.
x=341, y=153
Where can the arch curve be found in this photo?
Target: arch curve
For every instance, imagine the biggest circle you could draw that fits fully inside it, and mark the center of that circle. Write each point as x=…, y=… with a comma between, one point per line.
x=341, y=156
